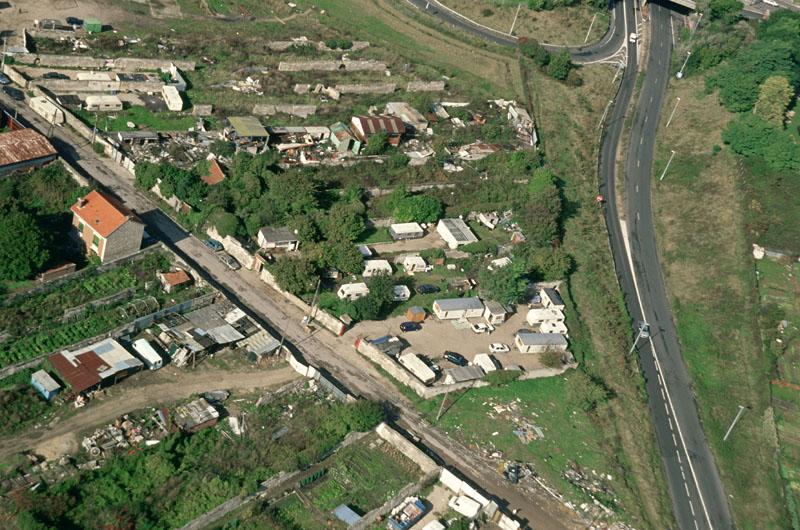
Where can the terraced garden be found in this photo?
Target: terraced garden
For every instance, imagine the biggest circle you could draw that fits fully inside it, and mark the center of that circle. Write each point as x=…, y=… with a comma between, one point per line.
x=38, y=323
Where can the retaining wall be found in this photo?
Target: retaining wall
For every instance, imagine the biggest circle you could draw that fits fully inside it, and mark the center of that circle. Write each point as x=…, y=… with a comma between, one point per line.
x=411, y=451
x=122, y=63
x=234, y=248
x=331, y=66
x=325, y=319
x=376, y=88
x=15, y=75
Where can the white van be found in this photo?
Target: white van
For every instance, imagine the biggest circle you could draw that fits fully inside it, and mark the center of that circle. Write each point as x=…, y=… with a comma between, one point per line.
x=150, y=357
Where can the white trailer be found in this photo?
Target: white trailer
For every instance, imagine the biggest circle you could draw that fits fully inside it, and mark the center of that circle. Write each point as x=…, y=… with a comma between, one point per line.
x=150, y=357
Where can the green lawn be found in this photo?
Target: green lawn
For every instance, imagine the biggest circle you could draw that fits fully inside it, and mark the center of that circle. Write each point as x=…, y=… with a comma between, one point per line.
x=570, y=436
x=363, y=477
x=375, y=235
x=20, y=404
x=140, y=116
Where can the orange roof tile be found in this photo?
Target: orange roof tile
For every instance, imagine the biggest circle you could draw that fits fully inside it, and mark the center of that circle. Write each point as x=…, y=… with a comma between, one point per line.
x=177, y=277
x=101, y=213
x=214, y=175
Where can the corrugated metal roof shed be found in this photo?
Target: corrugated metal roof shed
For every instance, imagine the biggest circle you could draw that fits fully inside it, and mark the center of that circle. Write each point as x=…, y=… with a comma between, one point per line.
x=23, y=145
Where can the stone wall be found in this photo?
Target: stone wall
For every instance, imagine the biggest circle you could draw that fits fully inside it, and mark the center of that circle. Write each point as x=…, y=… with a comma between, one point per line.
x=82, y=61
x=325, y=319
x=331, y=66
x=234, y=248
x=411, y=451
x=15, y=75
x=375, y=88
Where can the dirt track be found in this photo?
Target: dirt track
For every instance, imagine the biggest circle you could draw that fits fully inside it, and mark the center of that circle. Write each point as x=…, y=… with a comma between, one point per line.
x=61, y=437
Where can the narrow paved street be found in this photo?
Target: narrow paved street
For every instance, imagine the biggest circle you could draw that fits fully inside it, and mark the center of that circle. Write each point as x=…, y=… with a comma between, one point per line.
x=337, y=355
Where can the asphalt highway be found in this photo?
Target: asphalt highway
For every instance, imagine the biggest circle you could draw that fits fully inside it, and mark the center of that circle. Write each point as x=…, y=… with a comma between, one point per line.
x=698, y=498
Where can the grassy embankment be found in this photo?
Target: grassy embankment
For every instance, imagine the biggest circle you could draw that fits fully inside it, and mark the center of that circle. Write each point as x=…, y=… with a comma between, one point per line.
x=709, y=208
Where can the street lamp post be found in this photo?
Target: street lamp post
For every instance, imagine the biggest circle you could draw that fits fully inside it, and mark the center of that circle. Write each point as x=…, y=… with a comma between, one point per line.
x=667, y=167
x=679, y=75
x=644, y=333
x=678, y=100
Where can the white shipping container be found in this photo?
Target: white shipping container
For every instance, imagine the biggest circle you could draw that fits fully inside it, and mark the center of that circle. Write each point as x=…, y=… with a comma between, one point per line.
x=150, y=357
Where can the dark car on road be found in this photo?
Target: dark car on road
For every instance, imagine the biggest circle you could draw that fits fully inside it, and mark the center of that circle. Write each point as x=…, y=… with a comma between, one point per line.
x=410, y=326
x=456, y=358
x=427, y=288
x=213, y=244
x=4, y=80
x=229, y=261
x=14, y=93
x=55, y=75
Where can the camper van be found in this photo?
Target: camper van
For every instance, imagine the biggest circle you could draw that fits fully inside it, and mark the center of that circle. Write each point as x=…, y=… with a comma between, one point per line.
x=150, y=357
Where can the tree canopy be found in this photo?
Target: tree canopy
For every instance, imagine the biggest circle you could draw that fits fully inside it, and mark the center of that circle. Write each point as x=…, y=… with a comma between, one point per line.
x=727, y=11
x=774, y=98
x=298, y=276
x=23, y=245
x=418, y=208
x=559, y=65
x=750, y=135
x=504, y=285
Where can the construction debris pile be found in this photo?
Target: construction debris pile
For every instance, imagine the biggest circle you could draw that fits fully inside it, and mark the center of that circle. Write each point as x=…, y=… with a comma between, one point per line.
x=126, y=431
x=510, y=414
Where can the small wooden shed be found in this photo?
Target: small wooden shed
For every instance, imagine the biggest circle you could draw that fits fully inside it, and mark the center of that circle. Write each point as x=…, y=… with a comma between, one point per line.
x=415, y=314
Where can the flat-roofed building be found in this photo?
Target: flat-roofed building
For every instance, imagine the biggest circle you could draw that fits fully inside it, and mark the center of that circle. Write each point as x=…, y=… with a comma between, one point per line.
x=102, y=103
x=530, y=342
x=458, y=308
x=400, y=231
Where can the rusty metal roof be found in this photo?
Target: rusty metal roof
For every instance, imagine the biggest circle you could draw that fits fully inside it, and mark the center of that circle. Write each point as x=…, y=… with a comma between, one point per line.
x=81, y=371
x=374, y=124
x=23, y=145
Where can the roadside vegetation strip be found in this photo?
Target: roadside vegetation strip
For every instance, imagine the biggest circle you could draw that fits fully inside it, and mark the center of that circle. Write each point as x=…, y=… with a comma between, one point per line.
x=708, y=211
x=602, y=338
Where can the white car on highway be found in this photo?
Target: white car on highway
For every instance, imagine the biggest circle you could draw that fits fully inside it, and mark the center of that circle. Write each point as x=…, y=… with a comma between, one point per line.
x=499, y=347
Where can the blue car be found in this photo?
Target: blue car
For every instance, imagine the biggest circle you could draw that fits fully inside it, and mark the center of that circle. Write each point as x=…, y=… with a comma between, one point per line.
x=213, y=244
x=410, y=326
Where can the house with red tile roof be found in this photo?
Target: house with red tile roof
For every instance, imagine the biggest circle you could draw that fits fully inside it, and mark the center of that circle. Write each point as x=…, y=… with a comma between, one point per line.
x=107, y=228
x=214, y=175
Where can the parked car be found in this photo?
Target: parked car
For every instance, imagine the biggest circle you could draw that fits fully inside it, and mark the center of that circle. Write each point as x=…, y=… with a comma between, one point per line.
x=456, y=358
x=229, y=260
x=213, y=244
x=55, y=75
x=499, y=347
x=410, y=326
x=633, y=37
x=427, y=288
x=4, y=80
x=14, y=93
x=480, y=327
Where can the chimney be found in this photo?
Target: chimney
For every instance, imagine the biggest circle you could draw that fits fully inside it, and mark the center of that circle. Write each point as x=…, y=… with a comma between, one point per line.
x=82, y=202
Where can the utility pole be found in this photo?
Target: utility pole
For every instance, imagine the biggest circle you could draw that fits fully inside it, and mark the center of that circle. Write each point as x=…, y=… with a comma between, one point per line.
x=678, y=100
x=733, y=423
x=700, y=18
x=313, y=301
x=94, y=130
x=666, y=168
x=591, y=25
x=3, y=66
x=441, y=407
x=679, y=75
x=620, y=67
x=514, y=23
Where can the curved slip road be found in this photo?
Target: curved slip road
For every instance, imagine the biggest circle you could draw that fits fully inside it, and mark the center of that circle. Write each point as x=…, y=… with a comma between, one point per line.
x=605, y=48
